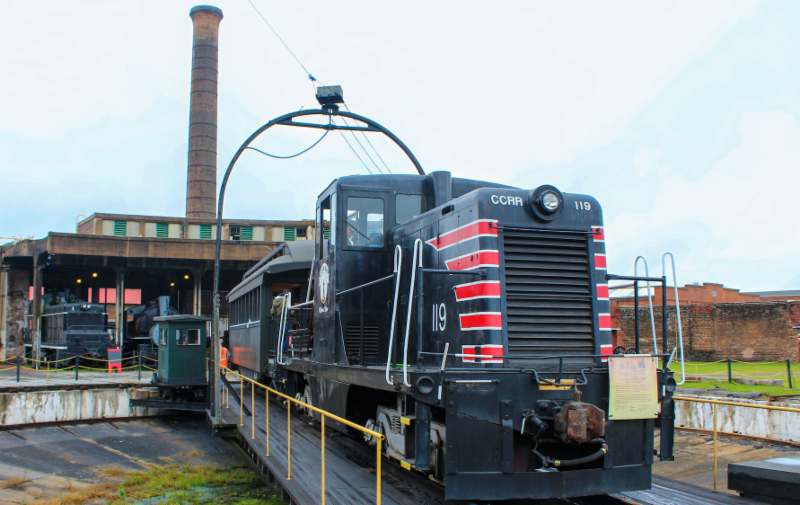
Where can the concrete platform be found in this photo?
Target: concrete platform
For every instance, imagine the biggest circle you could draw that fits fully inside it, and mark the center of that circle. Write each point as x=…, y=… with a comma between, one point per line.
x=694, y=458
x=39, y=463
x=775, y=481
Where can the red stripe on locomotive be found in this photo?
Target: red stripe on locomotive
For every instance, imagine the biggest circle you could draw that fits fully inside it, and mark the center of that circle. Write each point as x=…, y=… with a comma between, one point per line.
x=481, y=321
x=480, y=289
x=480, y=228
x=486, y=258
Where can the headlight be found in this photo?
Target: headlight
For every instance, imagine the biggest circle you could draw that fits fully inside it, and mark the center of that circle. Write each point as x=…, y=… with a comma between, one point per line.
x=546, y=202
x=550, y=201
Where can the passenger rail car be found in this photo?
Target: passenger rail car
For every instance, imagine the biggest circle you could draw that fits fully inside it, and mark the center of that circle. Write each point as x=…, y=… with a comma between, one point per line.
x=465, y=320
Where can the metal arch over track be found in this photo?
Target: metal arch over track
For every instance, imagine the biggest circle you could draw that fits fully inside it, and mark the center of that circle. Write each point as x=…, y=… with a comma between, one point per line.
x=285, y=120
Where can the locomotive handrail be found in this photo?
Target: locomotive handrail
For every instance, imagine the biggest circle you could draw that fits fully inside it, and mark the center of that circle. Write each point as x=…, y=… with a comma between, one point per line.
x=376, y=281
x=287, y=302
x=416, y=255
x=398, y=265
x=677, y=309
x=649, y=301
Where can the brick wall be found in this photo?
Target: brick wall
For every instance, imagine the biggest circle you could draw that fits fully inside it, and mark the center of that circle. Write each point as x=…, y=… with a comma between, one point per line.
x=759, y=331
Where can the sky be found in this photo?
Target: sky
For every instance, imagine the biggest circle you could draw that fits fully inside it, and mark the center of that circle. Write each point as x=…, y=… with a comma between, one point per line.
x=681, y=118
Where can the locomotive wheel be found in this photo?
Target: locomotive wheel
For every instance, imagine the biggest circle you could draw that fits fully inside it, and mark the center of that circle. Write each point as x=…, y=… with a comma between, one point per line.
x=620, y=349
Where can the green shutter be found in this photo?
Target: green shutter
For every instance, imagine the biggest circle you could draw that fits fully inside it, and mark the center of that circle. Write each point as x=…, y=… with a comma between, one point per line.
x=205, y=231
x=120, y=228
x=247, y=233
x=326, y=233
x=162, y=230
x=288, y=234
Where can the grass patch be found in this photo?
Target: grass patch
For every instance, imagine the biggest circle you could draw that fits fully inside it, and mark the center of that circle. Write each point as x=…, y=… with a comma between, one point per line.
x=737, y=388
x=757, y=370
x=184, y=485
x=13, y=481
x=192, y=454
x=110, y=472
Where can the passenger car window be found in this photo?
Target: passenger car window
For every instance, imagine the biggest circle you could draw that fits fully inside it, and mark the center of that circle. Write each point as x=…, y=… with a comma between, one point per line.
x=364, y=222
x=408, y=207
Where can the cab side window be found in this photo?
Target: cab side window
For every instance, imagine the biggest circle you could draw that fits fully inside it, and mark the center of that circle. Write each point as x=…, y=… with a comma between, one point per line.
x=364, y=222
x=326, y=226
x=408, y=207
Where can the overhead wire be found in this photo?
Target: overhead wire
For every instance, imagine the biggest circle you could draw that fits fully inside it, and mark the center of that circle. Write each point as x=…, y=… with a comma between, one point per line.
x=362, y=146
x=293, y=155
x=373, y=147
x=313, y=80
x=354, y=152
x=311, y=77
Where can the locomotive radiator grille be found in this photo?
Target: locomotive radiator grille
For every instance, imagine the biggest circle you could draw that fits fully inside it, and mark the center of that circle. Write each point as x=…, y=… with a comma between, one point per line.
x=352, y=341
x=548, y=294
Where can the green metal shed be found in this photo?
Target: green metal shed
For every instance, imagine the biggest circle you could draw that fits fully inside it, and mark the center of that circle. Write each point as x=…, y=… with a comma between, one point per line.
x=182, y=350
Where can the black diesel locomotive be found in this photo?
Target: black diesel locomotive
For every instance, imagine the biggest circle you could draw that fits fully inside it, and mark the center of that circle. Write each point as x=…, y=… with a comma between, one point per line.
x=465, y=320
x=71, y=329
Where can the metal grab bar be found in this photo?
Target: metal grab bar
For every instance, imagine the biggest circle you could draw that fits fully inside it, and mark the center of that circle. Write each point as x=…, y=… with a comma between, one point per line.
x=287, y=302
x=398, y=268
x=416, y=255
x=677, y=308
x=649, y=299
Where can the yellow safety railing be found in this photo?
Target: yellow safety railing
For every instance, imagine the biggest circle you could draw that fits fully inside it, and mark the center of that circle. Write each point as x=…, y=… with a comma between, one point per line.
x=714, y=404
x=289, y=400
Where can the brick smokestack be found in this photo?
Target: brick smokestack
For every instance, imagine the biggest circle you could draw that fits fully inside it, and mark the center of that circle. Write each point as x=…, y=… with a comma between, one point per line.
x=201, y=191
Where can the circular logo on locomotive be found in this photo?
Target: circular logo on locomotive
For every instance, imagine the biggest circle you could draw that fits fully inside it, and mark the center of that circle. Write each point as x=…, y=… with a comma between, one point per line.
x=324, y=280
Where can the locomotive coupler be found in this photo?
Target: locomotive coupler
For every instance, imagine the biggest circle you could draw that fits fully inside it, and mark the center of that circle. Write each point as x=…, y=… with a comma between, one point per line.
x=579, y=422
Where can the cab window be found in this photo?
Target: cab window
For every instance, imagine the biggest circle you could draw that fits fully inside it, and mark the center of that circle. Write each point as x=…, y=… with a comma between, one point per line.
x=364, y=222
x=408, y=207
x=326, y=226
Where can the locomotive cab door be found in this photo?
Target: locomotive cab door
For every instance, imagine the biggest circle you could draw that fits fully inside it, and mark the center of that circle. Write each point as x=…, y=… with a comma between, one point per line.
x=324, y=278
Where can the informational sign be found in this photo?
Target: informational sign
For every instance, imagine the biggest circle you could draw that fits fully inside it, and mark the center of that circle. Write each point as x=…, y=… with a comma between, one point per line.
x=634, y=387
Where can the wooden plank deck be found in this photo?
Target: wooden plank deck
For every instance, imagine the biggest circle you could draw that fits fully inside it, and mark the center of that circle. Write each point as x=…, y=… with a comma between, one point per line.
x=350, y=477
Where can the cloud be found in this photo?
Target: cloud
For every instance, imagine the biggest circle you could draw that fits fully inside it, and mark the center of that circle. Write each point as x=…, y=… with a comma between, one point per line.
x=738, y=213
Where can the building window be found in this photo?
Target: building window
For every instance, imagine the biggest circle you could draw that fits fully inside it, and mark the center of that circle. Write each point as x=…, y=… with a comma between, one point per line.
x=236, y=232
x=301, y=233
x=120, y=228
x=188, y=337
x=247, y=233
x=288, y=234
x=162, y=230
x=205, y=231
